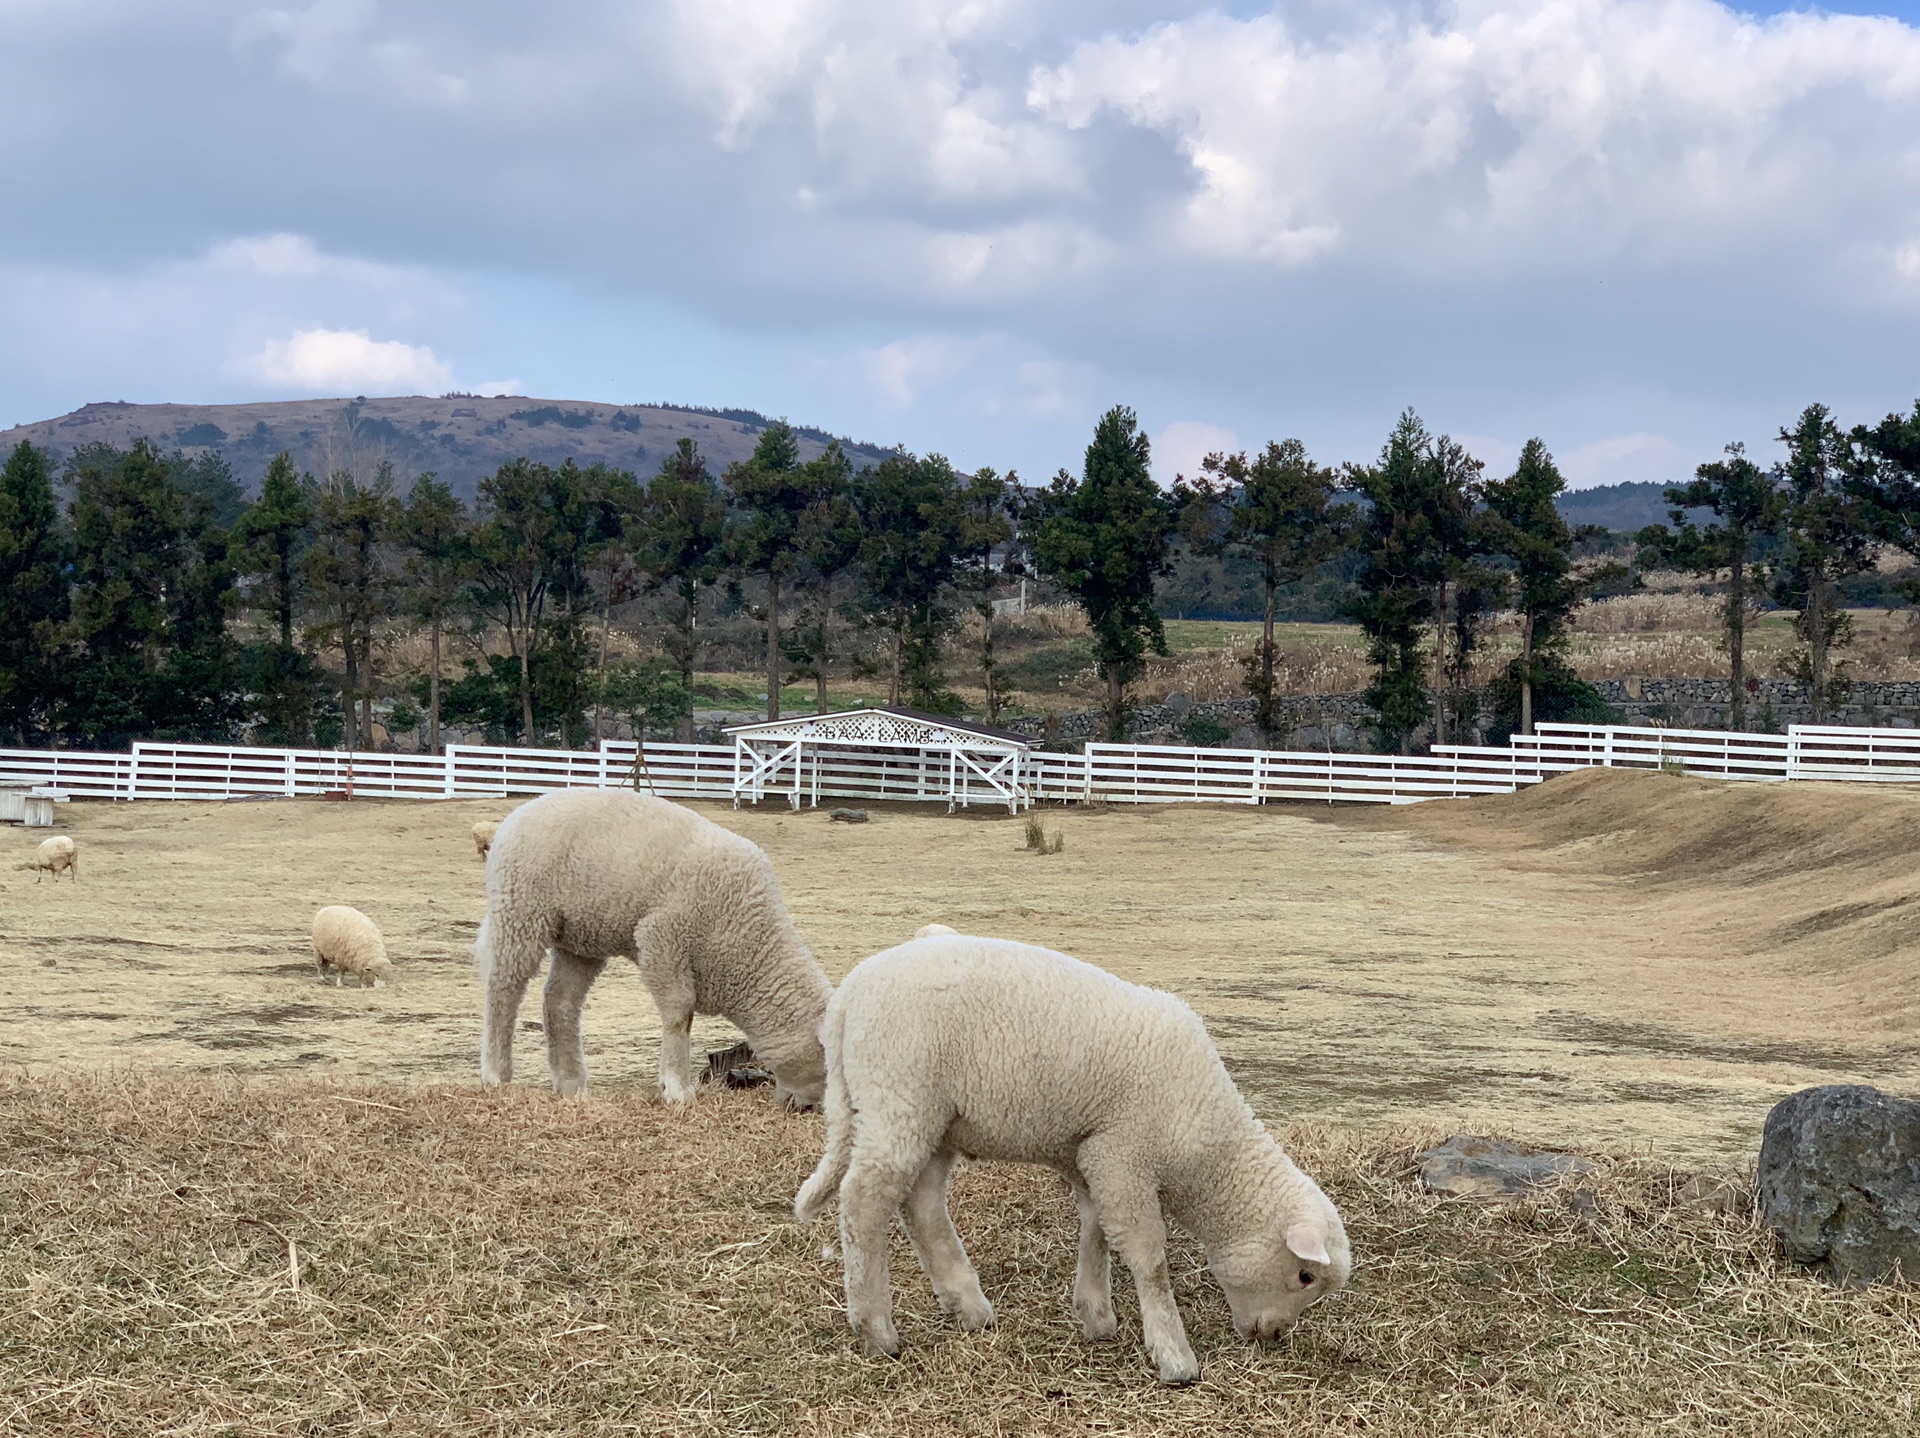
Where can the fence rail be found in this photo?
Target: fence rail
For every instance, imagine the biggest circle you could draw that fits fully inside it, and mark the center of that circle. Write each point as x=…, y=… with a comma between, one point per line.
x=1113, y=773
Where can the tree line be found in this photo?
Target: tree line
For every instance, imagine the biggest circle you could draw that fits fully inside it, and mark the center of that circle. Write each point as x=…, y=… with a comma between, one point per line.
x=157, y=601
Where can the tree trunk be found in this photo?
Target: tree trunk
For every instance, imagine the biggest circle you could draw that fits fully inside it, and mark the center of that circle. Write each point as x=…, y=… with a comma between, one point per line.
x=366, y=687
x=433, y=690
x=820, y=660
x=1526, y=673
x=773, y=645
x=1440, y=665
x=1264, y=700
x=989, y=680
x=352, y=695
x=1816, y=621
x=600, y=685
x=526, y=687
x=1116, y=707
x=899, y=642
x=688, y=596
x=1736, y=641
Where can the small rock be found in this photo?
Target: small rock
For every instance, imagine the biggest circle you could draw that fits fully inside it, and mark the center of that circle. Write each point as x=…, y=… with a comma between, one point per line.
x=847, y=816
x=1468, y=1166
x=1177, y=705
x=1839, y=1182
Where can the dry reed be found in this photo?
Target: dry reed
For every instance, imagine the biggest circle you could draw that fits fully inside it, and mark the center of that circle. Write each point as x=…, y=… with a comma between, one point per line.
x=192, y=1255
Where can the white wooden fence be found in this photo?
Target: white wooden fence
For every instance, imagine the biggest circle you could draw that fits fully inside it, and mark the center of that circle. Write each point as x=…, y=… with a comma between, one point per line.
x=1114, y=773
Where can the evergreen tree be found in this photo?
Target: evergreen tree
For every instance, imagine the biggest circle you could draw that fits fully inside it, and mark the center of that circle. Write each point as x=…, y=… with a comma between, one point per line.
x=829, y=539
x=1746, y=504
x=436, y=536
x=678, y=537
x=1417, y=541
x=769, y=493
x=153, y=584
x=350, y=569
x=1279, y=514
x=273, y=536
x=910, y=510
x=1529, y=531
x=987, y=510
x=1105, y=538
x=33, y=595
x=513, y=564
x=1829, y=537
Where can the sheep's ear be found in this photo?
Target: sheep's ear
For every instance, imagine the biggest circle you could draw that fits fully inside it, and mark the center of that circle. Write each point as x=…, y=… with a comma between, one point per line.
x=1308, y=1243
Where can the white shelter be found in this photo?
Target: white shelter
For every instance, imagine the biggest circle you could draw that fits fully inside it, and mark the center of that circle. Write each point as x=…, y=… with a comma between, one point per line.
x=880, y=753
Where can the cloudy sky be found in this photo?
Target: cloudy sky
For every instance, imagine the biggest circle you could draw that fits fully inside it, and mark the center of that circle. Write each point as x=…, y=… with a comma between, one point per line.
x=1639, y=230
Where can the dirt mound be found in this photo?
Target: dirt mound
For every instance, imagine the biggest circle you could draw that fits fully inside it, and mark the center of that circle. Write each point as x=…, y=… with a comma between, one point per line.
x=1817, y=882
x=1671, y=827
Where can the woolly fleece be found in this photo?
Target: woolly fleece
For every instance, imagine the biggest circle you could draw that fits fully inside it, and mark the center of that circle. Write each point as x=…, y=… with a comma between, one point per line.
x=483, y=833
x=52, y=856
x=951, y=1047
x=587, y=874
x=346, y=941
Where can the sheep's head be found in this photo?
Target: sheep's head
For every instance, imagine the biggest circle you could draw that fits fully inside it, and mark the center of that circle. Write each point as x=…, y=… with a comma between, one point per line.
x=802, y=1082
x=1275, y=1274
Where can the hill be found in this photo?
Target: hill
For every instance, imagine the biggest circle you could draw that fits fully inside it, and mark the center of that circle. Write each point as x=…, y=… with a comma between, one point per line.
x=462, y=438
x=1628, y=506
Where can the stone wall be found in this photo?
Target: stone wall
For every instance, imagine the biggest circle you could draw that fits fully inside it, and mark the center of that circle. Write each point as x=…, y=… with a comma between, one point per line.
x=1771, y=703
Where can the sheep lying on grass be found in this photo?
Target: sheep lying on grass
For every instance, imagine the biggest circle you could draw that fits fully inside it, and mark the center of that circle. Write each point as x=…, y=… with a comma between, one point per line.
x=346, y=941
x=483, y=833
x=952, y=1047
x=52, y=856
x=930, y=931
x=588, y=874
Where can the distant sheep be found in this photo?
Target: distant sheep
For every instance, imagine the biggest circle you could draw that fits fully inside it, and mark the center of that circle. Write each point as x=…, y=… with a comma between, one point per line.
x=346, y=941
x=52, y=856
x=952, y=1047
x=483, y=833
x=928, y=931
x=587, y=874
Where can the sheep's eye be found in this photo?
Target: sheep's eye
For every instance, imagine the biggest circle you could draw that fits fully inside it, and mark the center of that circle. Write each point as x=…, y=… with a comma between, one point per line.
x=1306, y=1279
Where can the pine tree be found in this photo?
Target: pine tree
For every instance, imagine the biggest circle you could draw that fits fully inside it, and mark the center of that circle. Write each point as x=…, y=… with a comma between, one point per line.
x=436, y=535
x=33, y=595
x=1104, y=538
x=1747, y=504
x=1529, y=531
x=678, y=537
x=273, y=535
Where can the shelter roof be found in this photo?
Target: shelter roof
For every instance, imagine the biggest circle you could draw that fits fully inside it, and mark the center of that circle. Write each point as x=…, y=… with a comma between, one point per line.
x=884, y=724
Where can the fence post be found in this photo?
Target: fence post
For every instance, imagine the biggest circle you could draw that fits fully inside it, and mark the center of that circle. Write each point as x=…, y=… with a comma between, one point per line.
x=446, y=755
x=1606, y=761
x=289, y=768
x=133, y=775
x=1793, y=751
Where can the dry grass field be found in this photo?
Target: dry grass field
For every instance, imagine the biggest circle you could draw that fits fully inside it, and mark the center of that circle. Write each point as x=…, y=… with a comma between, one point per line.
x=234, y=1200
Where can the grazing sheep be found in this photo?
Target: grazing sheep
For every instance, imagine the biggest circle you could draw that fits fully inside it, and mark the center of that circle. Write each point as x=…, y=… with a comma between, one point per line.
x=588, y=874
x=955, y=1047
x=346, y=941
x=483, y=833
x=52, y=856
x=928, y=931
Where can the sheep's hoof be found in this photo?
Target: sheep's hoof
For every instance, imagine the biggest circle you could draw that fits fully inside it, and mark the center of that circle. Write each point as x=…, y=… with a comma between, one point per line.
x=1180, y=1372
x=1099, y=1327
x=880, y=1341
x=970, y=1316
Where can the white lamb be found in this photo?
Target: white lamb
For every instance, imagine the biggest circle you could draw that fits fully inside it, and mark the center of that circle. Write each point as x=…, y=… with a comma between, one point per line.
x=483, y=833
x=931, y=931
x=588, y=874
x=52, y=856
x=953, y=1047
x=346, y=941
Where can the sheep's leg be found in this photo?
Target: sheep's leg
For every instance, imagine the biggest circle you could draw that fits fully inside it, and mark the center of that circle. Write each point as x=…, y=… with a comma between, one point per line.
x=943, y=1258
x=506, y=967
x=668, y=974
x=567, y=984
x=870, y=1196
x=1093, y=1274
x=1128, y=1208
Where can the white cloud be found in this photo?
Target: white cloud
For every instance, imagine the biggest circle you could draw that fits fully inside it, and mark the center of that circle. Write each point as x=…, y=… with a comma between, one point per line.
x=322, y=361
x=1179, y=448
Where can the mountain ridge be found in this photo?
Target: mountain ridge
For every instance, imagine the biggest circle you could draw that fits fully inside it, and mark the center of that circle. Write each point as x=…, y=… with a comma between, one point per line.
x=462, y=438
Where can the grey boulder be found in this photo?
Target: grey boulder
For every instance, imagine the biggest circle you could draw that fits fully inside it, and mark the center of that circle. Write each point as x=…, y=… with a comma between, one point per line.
x=847, y=816
x=1468, y=1166
x=1839, y=1182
